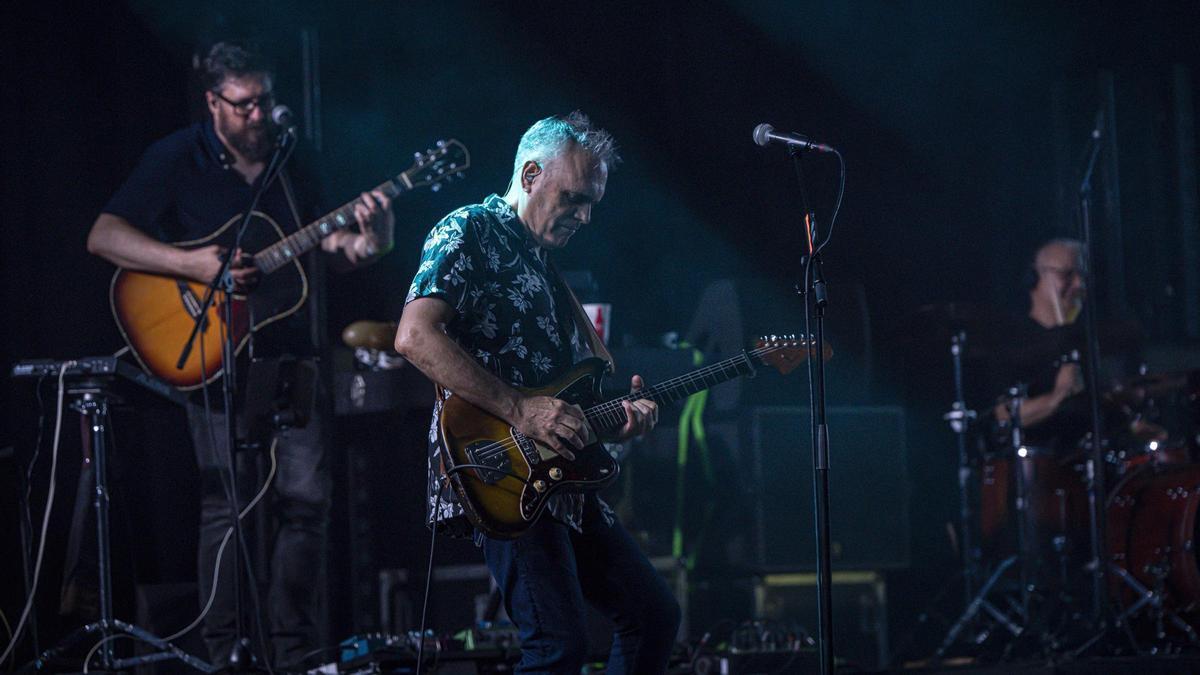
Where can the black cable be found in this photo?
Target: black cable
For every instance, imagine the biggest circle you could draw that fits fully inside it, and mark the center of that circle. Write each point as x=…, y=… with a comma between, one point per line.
x=258, y=613
x=228, y=483
x=26, y=511
x=437, y=507
x=837, y=206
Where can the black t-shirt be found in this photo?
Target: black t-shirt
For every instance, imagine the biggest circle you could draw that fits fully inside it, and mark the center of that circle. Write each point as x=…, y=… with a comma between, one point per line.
x=1031, y=354
x=184, y=189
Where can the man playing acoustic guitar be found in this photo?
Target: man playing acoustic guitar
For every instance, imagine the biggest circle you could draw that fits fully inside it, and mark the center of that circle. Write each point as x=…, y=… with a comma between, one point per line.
x=487, y=312
x=185, y=187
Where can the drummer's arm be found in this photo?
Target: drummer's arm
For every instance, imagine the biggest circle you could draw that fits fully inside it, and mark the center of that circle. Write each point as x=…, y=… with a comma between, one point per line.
x=1034, y=409
x=1037, y=409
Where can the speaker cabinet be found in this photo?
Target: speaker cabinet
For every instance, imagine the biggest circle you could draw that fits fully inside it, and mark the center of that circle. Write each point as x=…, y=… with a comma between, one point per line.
x=868, y=487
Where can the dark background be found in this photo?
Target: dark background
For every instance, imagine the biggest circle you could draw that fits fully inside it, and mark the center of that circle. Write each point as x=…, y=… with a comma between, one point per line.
x=962, y=125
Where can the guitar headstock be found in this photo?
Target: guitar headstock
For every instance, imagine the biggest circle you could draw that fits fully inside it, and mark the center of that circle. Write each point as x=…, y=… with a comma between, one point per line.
x=445, y=161
x=785, y=352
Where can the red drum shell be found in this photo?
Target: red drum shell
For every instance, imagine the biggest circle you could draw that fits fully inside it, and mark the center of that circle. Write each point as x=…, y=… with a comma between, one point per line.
x=1151, y=533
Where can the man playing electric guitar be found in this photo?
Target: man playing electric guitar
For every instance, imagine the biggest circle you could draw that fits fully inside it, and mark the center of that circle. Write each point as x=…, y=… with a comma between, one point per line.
x=486, y=313
x=185, y=188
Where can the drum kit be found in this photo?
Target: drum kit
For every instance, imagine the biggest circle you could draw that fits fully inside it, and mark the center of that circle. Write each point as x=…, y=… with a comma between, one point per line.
x=1026, y=532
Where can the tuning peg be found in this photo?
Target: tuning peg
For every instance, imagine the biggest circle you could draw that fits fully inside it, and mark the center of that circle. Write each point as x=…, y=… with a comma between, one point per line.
x=435, y=187
x=417, y=156
x=441, y=144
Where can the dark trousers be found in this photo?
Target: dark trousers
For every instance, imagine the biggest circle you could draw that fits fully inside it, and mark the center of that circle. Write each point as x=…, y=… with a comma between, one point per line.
x=548, y=573
x=294, y=515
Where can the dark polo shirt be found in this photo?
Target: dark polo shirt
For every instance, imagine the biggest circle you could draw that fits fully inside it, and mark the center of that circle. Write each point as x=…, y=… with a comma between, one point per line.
x=184, y=188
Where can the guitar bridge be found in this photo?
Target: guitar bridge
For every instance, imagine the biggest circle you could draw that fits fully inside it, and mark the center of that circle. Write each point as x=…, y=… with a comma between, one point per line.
x=492, y=455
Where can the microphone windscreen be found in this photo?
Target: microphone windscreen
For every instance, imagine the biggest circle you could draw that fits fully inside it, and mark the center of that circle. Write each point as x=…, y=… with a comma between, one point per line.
x=762, y=133
x=281, y=115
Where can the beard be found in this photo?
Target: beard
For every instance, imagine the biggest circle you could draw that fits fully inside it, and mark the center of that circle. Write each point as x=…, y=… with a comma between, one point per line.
x=251, y=141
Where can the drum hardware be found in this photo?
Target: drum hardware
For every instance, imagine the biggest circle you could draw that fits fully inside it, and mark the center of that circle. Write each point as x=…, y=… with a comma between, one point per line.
x=1024, y=555
x=1153, y=599
x=1154, y=571
x=960, y=419
x=980, y=603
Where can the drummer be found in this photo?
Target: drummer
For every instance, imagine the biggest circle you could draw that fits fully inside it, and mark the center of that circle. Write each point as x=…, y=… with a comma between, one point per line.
x=1044, y=351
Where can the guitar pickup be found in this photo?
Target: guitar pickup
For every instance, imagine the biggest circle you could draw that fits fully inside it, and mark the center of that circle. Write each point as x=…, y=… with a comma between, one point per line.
x=488, y=454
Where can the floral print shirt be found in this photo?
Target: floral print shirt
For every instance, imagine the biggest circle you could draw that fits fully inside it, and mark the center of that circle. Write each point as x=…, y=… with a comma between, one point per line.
x=512, y=314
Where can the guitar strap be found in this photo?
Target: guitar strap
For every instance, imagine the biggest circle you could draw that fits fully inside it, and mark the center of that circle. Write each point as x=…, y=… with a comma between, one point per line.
x=291, y=198
x=316, y=308
x=583, y=323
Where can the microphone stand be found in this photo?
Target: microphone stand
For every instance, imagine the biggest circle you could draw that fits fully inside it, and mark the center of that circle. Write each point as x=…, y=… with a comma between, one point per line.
x=1095, y=469
x=814, y=281
x=1095, y=459
x=241, y=658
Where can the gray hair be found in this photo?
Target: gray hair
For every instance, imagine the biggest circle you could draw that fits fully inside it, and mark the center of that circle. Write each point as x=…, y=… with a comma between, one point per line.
x=1074, y=245
x=548, y=138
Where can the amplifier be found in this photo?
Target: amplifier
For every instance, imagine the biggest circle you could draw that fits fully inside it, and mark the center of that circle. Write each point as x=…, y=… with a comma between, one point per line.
x=868, y=487
x=860, y=627
x=358, y=390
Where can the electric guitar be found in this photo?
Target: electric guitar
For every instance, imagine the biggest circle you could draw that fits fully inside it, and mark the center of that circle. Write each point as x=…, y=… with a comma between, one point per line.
x=503, y=478
x=155, y=313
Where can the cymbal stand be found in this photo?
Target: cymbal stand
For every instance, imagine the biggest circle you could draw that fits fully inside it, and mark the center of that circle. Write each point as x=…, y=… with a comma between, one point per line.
x=960, y=419
x=1026, y=551
x=980, y=602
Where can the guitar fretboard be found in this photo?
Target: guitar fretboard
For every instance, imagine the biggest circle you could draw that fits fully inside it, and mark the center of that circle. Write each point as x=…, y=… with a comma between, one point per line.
x=308, y=237
x=611, y=415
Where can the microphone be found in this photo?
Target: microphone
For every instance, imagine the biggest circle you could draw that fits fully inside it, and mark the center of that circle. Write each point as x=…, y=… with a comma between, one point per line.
x=765, y=133
x=282, y=116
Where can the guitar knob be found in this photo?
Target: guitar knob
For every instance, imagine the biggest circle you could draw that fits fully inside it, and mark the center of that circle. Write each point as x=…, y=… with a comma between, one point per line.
x=539, y=485
x=555, y=473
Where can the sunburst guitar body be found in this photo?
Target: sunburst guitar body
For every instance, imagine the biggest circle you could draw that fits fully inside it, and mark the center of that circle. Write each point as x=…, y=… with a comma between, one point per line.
x=156, y=313
x=504, y=479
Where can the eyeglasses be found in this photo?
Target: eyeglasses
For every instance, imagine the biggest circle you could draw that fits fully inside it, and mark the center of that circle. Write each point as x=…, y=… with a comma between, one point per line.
x=1064, y=274
x=247, y=106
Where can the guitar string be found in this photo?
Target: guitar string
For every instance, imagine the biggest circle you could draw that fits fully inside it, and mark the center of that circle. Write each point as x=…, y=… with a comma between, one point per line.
x=307, y=236
x=610, y=407
x=607, y=409
x=604, y=410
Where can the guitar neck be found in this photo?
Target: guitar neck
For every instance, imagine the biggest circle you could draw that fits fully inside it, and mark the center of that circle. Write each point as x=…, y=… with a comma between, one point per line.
x=308, y=237
x=611, y=415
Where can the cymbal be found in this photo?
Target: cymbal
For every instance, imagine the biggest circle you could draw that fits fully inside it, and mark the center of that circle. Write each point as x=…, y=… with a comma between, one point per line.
x=1151, y=385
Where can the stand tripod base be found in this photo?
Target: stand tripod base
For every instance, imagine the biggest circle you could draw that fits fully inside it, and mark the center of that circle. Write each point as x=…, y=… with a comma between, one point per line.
x=1151, y=599
x=167, y=651
x=980, y=603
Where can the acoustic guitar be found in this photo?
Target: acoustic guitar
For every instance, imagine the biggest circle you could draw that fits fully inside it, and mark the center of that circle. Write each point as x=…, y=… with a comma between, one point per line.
x=503, y=478
x=155, y=313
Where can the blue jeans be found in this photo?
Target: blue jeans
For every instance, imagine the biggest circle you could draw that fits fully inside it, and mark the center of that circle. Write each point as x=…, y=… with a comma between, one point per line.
x=548, y=573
